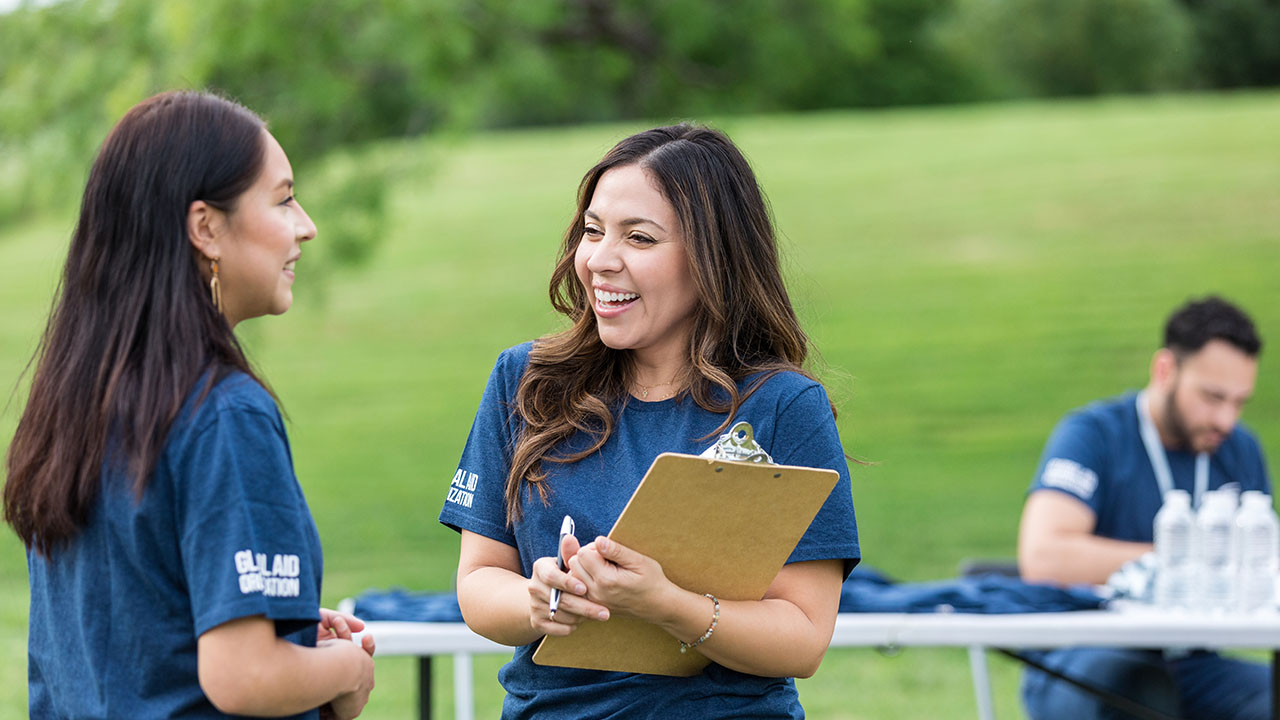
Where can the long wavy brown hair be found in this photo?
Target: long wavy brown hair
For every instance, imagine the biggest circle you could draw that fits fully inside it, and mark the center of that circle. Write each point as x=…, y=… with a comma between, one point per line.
x=743, y=325
x=133, y=328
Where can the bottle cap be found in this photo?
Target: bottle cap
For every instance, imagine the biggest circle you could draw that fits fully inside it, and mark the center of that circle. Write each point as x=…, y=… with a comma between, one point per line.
x=1255, y=498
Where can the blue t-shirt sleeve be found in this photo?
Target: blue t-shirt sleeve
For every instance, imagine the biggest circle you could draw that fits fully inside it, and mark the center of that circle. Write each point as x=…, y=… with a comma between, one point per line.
x=247, y=539
x=806, y=436
x=476, y=497
x=1074, y=461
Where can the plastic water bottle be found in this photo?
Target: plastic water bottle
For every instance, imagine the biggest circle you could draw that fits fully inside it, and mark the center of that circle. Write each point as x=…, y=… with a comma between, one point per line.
x=1175, y=562
x=1258, y=545
x=1214, y=536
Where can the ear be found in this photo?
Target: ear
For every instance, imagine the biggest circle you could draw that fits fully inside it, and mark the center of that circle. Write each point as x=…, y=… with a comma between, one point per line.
x=1164, y=367
x=205, y=228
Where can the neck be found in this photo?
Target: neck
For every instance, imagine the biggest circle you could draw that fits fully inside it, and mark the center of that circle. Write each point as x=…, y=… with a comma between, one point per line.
x=656, y=375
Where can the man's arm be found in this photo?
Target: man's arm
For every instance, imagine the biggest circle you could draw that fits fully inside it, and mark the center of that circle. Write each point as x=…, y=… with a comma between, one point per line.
x=1056, y=542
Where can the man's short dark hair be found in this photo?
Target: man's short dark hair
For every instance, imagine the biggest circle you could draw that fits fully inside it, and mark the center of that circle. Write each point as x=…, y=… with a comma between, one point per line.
x=1194, y=324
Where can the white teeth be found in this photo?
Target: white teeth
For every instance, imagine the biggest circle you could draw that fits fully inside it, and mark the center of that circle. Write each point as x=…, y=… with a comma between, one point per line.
x=613, y=297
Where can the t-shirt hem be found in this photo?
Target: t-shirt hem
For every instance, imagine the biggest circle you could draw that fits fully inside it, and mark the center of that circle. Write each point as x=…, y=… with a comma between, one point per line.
x=477, y=526
x=285, y=612
x=850, y=555
x=1062, y=491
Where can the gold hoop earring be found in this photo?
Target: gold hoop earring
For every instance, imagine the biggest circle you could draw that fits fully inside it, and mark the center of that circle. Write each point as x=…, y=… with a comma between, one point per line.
x=215, y=287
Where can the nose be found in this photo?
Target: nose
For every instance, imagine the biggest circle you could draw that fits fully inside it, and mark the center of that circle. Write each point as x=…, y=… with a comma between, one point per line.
x=605, y=256
x=306, y=228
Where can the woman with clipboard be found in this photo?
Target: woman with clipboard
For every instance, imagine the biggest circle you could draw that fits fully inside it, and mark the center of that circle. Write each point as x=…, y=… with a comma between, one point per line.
x=680, y=326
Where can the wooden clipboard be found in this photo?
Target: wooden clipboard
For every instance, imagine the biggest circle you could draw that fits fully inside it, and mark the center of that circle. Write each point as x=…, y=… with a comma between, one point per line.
x=723, y=527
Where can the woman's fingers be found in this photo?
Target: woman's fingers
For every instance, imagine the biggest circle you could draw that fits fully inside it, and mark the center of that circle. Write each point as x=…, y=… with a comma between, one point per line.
x=572, y=607
x=334, y=624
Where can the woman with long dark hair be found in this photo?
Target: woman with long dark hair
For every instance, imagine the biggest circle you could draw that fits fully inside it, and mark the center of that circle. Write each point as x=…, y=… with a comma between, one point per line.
x=174, y=565
x=680, y=325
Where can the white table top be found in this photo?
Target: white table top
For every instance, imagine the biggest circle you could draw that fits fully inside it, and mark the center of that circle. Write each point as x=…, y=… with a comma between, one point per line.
x=1132, y=627
x=1138, y=627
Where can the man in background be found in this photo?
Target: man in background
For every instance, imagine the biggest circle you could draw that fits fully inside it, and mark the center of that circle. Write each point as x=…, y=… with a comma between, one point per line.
x=1092, y=505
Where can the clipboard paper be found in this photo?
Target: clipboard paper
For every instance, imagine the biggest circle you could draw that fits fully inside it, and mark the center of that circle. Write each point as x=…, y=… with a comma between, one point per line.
x=715, y=526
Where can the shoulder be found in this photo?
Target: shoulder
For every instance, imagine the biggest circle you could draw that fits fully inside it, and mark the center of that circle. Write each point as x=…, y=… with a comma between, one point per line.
x=1079, y=453
x=235, y=424
x=238, y=391
x=1101, y=420
x=233, y=400
x=511, y=364
x=508, y=370
x=785, y=388
x=514, y=359
x=238, y=396
x=797, y=403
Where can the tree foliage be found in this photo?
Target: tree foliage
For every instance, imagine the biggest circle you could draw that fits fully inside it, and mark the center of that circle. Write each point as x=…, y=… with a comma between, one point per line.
x=339, y=73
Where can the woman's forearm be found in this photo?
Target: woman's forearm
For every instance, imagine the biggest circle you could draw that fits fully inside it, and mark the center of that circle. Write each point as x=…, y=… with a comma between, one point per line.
x=244, y=669
x=495, y=604
x=771, y=637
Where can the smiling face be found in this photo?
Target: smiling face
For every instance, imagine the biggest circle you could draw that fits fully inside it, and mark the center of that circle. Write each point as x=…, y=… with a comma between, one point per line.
x=1205, y=394
x=633, y=265
x=261, y=241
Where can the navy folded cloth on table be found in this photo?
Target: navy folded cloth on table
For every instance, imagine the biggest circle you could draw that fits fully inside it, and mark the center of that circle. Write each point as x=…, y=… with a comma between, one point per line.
x=408, y=605
x=867, y=590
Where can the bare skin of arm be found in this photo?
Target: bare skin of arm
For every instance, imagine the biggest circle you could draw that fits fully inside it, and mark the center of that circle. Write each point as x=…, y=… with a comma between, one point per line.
x=500, y=603
x=786, y=634
x=1056, y=542
x=245, y=669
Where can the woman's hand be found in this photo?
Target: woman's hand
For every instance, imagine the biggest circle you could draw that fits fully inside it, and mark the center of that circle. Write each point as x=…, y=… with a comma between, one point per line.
x=573, y=607
x=621, y=578
x=349, y=705
x=338, y=627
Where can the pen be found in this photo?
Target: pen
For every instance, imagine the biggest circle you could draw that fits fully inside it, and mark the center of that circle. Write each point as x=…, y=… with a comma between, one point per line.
x=566, y=529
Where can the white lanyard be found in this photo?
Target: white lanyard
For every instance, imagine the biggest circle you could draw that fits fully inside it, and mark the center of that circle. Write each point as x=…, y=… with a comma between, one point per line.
x=1160, y=461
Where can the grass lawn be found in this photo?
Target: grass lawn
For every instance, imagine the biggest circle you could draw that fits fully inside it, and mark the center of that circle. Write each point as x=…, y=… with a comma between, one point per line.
x=968, y=274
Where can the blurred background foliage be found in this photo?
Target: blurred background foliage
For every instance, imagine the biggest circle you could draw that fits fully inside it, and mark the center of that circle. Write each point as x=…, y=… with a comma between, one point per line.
x=343, y=73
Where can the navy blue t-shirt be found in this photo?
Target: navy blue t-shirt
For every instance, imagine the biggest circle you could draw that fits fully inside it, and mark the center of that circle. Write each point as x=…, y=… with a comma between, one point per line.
x=221, y=532
x=1096, y=455
x=792, y=421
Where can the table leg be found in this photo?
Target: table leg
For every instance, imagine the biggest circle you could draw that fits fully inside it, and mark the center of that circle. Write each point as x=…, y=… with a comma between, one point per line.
x=981, y=682
x=464, y=707
x=424, y=687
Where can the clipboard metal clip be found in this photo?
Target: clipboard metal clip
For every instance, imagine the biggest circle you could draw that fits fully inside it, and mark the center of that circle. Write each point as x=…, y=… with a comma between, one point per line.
x=739, y=444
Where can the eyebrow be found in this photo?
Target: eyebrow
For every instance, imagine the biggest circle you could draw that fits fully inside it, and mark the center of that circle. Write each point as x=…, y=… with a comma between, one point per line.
x=629, y=221
x=285, y=183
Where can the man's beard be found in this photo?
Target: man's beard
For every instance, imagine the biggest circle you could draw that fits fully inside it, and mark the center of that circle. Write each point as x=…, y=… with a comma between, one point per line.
x=1174, y=422
x=1183, y=435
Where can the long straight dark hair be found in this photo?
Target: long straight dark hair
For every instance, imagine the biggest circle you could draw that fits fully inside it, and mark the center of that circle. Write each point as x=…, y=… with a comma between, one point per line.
x=133, y=328
x=744, y=323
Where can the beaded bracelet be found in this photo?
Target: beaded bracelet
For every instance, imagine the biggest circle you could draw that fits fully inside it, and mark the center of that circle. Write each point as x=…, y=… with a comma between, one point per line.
x=715, y=618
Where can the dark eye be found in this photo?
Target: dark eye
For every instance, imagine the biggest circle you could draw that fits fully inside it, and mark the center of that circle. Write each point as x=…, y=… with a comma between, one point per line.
x=592, y=231
x=287, y=201
x=642, y=239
